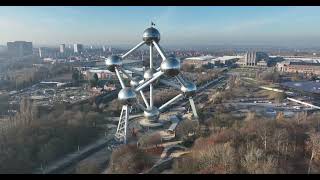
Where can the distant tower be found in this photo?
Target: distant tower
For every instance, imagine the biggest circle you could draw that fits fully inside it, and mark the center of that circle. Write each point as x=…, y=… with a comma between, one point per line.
x=250, y=58
x=104, y=48
x=78, y=48
x=62, y=48
x=41, y=52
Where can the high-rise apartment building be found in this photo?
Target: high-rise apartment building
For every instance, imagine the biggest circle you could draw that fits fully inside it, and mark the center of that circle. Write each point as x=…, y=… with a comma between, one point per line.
x=20, y=48
x=78, y=48
x=62, y=48
x=41, y=52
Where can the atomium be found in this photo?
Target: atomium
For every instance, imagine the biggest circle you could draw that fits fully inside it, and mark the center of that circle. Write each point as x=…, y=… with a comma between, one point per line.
x=149, y=77
x=152, y=114
x=148, y=74
x=112, y=62
x=151, y=34
x=189, y=89
x=127, y=96
x=134, y=82
x=171, y=66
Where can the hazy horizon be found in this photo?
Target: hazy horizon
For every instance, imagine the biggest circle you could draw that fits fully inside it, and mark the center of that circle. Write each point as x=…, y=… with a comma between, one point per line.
x=179, y=26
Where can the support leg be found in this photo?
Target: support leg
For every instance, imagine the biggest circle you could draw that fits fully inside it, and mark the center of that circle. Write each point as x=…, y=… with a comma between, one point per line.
x=193, y=107
x=121, y=134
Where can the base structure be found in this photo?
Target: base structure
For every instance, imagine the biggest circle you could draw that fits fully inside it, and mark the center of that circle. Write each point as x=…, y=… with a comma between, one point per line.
x=150, y=124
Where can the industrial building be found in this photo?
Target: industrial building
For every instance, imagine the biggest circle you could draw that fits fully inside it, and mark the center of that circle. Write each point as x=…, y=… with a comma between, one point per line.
x=198, y=61
x=226, y=60
x=254, y=58
x=207, y=60
x=299, y=66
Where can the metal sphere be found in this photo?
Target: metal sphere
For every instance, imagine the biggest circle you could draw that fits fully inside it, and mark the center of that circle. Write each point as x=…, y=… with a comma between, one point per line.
x=189, y=89
x=152, y=114
x=171, y=66
x=148, y=74
x=112, y=62
x=135, y=81
x=127, y=96
x=151, y=34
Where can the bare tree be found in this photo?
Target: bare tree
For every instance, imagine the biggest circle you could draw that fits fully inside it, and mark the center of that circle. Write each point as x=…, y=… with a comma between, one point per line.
x=301, y=117
x=155, y=139
x=281, y=139
x=255, y=162
x=186, y=128
x=263, y=133
x=280, y=116
x=314, y=145
x=87, y=167
x=150, y=140
x=250, y=116
x=218, y=158
x=128, y=159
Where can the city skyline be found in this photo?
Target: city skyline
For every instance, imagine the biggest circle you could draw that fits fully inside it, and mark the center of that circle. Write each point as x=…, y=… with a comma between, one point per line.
x=181, y=26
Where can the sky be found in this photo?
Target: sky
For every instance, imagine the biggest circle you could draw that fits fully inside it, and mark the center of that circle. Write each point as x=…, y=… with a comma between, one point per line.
x=183, y=25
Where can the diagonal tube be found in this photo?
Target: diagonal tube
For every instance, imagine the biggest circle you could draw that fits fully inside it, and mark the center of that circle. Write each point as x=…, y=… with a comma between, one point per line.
x=130, y=51
x=125, y=73
x=144, y=99
x=180, y=79
x=146, y=83
x=159, y=49
x=141, y=107
x=170, y=101
x=120, y=78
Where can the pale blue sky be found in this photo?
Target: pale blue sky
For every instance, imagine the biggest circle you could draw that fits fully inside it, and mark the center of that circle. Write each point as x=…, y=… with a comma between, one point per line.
x=283, y=25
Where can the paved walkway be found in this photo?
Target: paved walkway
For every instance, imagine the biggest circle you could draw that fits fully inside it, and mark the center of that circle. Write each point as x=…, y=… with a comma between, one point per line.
x=167, y=157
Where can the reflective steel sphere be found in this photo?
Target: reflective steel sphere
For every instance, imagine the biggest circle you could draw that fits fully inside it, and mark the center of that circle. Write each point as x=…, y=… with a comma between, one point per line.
x=151, y=34
x=135, y=81
x=189, y=89
x=127, y=96
x=148, y=74
x=152, y=114
x=170, y=66
x=112, y=62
